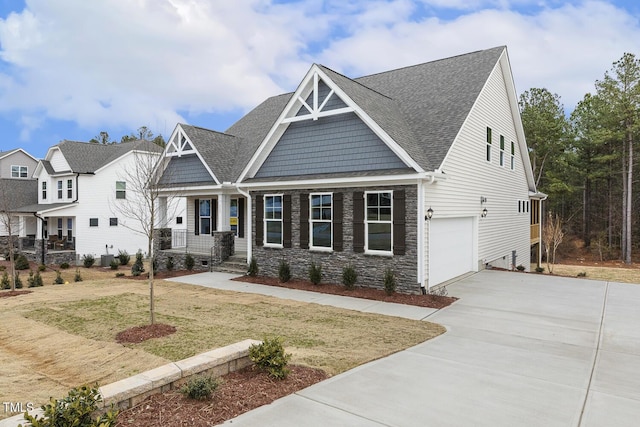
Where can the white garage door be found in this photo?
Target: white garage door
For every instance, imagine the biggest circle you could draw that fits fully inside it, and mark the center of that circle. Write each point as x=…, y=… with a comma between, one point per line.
x=450, y=248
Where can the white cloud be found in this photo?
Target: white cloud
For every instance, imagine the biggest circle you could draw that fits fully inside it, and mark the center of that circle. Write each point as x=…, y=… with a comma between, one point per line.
x=107, y=64
x=564, y=49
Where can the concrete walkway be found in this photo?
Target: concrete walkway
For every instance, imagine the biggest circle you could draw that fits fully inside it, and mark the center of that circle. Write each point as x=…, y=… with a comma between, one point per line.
x=521, y=350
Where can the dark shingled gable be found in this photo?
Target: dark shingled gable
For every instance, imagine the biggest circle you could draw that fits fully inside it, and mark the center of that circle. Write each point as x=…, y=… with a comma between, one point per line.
x=421, y=107
x=86, y=157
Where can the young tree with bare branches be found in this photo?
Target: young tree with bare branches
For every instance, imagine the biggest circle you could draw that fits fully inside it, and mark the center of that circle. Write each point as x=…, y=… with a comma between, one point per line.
x=552, y=236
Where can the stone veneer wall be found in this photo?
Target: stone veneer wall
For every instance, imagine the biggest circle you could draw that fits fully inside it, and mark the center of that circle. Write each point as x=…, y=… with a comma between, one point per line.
x=370, y=268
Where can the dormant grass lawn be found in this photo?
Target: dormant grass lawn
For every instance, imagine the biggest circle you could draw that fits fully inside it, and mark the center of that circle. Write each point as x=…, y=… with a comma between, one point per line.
x=58, y=337
x=623, y=274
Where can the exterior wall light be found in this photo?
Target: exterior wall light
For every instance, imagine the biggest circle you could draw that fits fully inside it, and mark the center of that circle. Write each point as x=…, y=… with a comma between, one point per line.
x=429, y=214
x=484, y=213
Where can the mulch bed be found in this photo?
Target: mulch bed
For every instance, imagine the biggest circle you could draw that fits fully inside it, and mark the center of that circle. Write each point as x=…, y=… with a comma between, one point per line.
x=138, y=334
x=239, y=392
x=7, y=294
x=430, y=301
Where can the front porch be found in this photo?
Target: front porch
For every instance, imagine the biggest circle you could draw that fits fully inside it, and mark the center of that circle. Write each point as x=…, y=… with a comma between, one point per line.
x=207, y=251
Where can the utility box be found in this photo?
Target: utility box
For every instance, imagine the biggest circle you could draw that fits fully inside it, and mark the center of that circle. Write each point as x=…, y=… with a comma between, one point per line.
x=105, y=260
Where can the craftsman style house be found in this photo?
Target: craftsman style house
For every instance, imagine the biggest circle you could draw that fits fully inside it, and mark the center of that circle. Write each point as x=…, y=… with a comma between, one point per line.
x=423, y=170
x=75, y=211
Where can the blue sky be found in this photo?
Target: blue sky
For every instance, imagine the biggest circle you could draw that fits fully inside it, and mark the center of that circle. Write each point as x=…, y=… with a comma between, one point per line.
x=72, y=68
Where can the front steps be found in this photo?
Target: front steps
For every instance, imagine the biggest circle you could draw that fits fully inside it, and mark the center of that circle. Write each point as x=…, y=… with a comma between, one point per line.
x=235, y=264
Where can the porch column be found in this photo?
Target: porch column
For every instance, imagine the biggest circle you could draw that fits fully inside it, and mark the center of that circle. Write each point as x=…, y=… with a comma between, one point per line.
x=224, y=206
x=161, y=212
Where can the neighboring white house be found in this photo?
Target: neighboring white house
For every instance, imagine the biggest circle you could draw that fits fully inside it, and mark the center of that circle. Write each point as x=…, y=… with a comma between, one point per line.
x=423, y=170
x=80, y=187
x=17, y=188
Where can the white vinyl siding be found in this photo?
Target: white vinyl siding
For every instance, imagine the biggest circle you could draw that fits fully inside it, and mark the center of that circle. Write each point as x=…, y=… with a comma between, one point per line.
x=470, y=177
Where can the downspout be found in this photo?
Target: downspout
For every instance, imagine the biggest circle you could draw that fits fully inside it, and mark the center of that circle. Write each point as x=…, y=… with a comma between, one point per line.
x=421, y=221
x=77, y=189
x=249, y=216
x=41, y=235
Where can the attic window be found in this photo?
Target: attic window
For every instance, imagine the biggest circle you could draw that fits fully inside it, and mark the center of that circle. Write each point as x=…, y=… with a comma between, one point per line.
x=488, y=144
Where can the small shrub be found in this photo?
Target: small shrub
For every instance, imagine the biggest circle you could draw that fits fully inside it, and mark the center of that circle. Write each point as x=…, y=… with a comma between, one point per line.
x=284, y=271
x=123, y=257
x=389, y=281
x=520, y=267
x=64, y=265
x=114, y=264
x=200, y=387
x=539, y=269
x=189, y=262
x=120, y=274
x=42, y=267
x=349, y=277
x=18, y=281
x=78, y=277
x=3, y=267
x=76, y=409
x=580, y=274
x=138, y=266
x=34, y=280
x=169, y=264
x=21, y=262
x=315, y=273
x=253, y=267
x=88, y=260
x=5, y=283
x=58, y=280
x=270, y=357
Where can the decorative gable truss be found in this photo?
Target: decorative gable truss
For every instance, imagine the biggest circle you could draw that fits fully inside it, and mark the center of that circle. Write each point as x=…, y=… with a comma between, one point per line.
x=318, y=97
x=185, y=164
x=179, y=144
x=315, y=93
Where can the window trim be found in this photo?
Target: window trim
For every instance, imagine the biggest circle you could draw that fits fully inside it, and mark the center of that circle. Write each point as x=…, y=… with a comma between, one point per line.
x=19, y=170
x=513, y=156
x=321, y=221
x=488, y=142
x=43, y=186
x=69, y=189
x=59, y=189
x=367, y=222
x=266, y=220
x=209, y=217
x=502, y=150
x=122, y=191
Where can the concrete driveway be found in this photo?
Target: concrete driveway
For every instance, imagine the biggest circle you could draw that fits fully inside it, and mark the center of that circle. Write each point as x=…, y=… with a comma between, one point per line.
x=521, y=350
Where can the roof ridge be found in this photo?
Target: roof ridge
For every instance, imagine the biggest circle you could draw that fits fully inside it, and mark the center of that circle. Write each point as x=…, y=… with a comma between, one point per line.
x=430, y=62
x=210, y=130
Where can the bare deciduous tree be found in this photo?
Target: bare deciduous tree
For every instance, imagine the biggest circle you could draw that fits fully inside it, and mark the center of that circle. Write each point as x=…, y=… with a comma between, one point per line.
x=552, y=236
x=142, y=203
x=8, y=225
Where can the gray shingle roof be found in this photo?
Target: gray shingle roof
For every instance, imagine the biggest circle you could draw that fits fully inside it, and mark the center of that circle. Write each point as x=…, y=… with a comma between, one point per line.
x=87, y=157
x=422, y=107
x=15, y=193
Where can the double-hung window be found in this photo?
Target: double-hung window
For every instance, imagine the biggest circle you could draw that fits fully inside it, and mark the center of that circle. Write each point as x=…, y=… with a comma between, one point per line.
x=273, y=220
x=69, y=189
x=44, y=190
x=70, y=229
x=501, y=150
x=121, y=190
x=59, y=189
x=59, y=228
x=378, y=222
x=205, y=216
x=488, y=144
x=513, y=155
x=320, y=218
